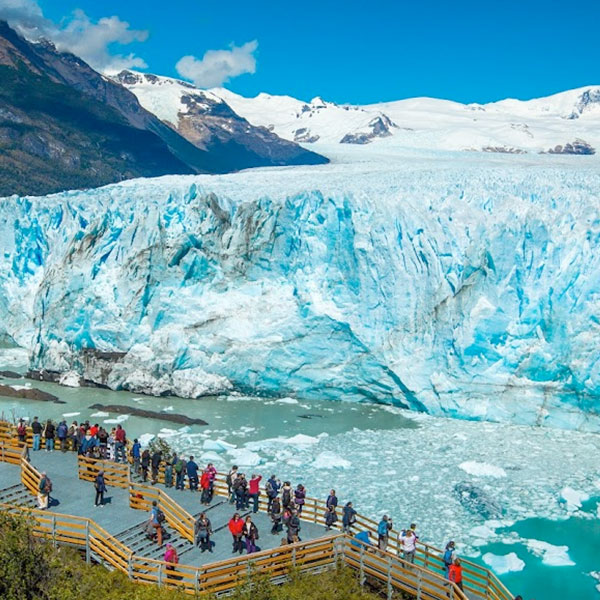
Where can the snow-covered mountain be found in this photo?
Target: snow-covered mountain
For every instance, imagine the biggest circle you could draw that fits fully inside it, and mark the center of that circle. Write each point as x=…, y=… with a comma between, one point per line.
x=209, y=123
x=568, y=122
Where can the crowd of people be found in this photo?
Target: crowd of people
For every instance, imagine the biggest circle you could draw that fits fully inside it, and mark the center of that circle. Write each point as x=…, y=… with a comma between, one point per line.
x=284, y=503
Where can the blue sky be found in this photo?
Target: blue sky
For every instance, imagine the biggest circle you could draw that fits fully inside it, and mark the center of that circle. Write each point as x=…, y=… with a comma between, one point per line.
x=360, y=52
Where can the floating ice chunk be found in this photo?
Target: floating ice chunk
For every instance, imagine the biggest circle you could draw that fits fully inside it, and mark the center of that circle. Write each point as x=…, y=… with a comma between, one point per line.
x=554, y=556
x=481, y=469
x=287, y=401
x=100, y=414
x=27, y=386
x=217, y=445
x=212, y=457
x=573, y=498
x=330, y=460
x=165, y=431
x=70, y=379
x=167, y=409
x=482, y=532
x=146, y=438
x=244, y=457
x=505, y=563
x=137, y=400
x=71, y=414
x=118, y=419
x=300, y=439
x=184, y=429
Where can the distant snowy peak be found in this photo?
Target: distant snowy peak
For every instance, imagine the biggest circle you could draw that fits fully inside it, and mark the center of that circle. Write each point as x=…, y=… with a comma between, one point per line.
x=569, y=120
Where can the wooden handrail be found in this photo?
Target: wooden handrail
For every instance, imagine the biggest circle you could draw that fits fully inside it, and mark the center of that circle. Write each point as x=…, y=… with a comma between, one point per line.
x=477, y=578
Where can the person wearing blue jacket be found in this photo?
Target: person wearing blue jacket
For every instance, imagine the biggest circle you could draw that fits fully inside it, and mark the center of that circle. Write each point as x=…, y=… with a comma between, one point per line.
x=383, y=532
x=192, y=473
x=349, y=517
x=272, y=488
x=100, y=485
x=136, y=453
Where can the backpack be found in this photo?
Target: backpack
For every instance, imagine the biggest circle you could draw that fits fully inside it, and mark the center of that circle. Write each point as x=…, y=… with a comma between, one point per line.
x=179, y=466
x=62, y=431
x=48, y=486
x=286, y=497
x=21, y=430
x=160, y=516
x=229, y=479
x=269, y=489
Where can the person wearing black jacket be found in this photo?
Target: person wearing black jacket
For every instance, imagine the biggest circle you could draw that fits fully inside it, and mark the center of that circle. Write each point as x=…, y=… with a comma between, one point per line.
x=203, y=530
x=49, y=433
x=36, y=428
x=250, y=532
x=100, y=485
x=145, y=464
x=156, y=460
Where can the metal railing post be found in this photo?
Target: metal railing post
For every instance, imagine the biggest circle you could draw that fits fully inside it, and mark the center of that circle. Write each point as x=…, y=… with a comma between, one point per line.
x=160, y=575
x=419, y=584
x=87, y=542
x=197, y=585
x=130, y=566
x=54, y=531
x=294, y=557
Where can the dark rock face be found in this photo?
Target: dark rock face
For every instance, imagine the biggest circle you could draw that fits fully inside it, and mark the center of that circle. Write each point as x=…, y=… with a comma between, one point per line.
x=29, y=393
x=585, y=102
x=576, y=147
x=11, y=374
x=149, y=414
x=503, y=150
x=304, y=136
x=379, y=127
x=232, y=142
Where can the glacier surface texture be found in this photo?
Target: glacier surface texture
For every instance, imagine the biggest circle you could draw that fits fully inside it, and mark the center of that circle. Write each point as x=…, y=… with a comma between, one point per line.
x=465, y=288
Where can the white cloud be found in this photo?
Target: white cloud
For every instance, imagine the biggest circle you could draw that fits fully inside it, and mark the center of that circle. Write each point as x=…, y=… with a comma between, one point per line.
x=77, y=34
x=218, y=66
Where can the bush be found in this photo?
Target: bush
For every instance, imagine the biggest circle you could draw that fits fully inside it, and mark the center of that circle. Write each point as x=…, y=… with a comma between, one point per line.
x=160, y=444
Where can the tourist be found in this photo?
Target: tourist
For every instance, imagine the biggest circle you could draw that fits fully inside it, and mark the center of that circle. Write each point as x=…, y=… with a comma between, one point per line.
x=136, y=453
x=94, y=429
x=49, y=432
x=231, y=477
x=156, y=460
x=254, y=490
x=87, y=445
x=80, y=437
x=62, y=432
x=331, y=500
x=449, y=556
x=276, y=516
x=293, y=528
x=251, y=534
x=102, y=436
x=408, y=542
x=455, y=573
x=330, y=517
x=74, y=436
x=286, y=494
x=348, y=518
x=100, y=485
x=22, y=431
x=299, y=498
x=192, y=473
x=145, y=464
x=36, y=428
x=172, y=559
x=180, y=469
x=383, y=532
x=203, y=533
x=286, y=516
x=168, y=474
x=236, y=527
x=156, y=521
x=240, y=487
x=44, y=489
x=205, y=487
x=120, y=441
x=272, y=488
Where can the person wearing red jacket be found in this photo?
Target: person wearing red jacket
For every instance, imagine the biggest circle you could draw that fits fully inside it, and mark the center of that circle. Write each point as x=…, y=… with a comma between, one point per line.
x=236, y=527
x=254, y=490
x=120, y=439
x=205, y=485
x=455, y=573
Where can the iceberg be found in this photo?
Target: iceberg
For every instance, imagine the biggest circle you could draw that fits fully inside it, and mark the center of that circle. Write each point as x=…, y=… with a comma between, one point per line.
x=453, y=285
x=505, y=563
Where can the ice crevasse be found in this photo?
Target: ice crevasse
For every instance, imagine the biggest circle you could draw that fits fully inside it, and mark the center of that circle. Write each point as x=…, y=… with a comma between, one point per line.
x=454, y=290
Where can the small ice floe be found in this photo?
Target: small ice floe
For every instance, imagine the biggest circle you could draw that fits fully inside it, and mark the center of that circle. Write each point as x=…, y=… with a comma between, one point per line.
x=217, y=445
x=117, y=420
x=504, y=563
x=137, y=400
x=146, y=438
x=71, y=414
x=553, y=556
x=300, y=439
x=70, y=379
x=212, y=457
x=287, y=401
x=330, y=460
x=167, y=409
x=100, y=414
x=244, y=457
x=27, y=386
x=481, y=469
x=573, y=499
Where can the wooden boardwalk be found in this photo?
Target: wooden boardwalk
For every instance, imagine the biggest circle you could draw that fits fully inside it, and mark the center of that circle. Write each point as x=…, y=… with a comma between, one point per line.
x=114, y=534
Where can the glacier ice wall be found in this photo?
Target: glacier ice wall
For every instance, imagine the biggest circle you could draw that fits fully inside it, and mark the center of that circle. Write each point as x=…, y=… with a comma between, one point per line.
x=466, y=291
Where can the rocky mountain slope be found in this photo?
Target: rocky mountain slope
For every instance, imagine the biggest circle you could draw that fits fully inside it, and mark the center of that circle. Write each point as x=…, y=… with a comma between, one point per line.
x=207, y=121
x=565, y=123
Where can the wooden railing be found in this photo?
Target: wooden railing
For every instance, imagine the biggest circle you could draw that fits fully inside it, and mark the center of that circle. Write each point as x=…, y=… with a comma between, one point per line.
x=476, y=579
x=115, y=474
x=141, y=497
x=11, y=453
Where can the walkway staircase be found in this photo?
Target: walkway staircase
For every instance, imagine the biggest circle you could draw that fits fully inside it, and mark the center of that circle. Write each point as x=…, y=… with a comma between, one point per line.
x=17, y=495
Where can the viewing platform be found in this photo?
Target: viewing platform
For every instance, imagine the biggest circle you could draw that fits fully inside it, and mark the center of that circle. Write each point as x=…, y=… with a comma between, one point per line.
x=115, y=534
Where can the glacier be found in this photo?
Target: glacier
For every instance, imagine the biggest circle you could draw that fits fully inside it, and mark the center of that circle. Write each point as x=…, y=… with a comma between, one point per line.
x=451, y=284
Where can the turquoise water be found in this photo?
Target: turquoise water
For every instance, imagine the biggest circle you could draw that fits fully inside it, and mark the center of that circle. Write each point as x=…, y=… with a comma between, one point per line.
x=538, y=581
